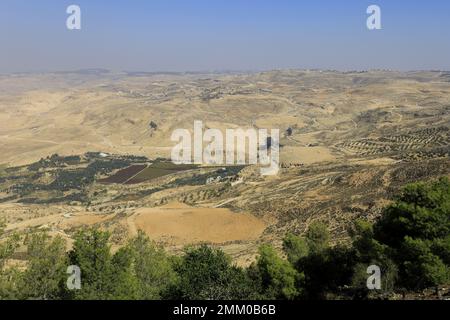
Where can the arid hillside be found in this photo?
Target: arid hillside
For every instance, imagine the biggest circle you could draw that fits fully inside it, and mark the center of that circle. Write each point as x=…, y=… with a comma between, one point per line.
x=87, y=148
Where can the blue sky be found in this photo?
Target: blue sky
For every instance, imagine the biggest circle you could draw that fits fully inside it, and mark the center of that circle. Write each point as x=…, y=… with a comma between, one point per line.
x=205, y=35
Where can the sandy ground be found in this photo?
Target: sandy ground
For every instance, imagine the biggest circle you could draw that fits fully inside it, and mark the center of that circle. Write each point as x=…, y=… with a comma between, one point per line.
x=57, y=219
x=306, y=155
x=178, y=224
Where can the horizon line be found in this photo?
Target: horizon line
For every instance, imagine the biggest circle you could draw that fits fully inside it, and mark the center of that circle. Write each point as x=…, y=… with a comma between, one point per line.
x=99, y=71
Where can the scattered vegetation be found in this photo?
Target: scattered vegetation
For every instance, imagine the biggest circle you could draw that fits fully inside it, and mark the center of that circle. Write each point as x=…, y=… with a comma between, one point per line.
x=63, y=179
x=159, y=168
x=410, y=243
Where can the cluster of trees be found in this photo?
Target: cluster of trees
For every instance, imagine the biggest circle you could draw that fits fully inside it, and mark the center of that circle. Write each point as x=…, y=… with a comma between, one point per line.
x=410, y=243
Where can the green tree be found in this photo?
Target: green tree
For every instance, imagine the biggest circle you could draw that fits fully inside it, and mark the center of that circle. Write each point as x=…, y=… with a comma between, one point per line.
x=91, y=253
x=441, y=247
x=295, y=248
x=8, y=247
x=45, y=275
x=277, y=278
x=152, y=267
x=125, y=284
x=422, y=211
x=326, y=269
x=317, y=237
x=367, y=248
x=10, y=280
x=420, y=266
x=369, y=251
x=103, y=276
x=9, y=276
x=207, y=274
x=416, y=228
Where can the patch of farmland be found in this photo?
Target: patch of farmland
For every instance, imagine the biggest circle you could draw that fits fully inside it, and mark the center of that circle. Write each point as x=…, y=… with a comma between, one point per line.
x=123, y=175
x=159, y=169
x=179, y=224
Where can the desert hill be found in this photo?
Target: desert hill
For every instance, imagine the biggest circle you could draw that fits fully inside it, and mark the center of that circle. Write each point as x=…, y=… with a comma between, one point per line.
x=349, y=141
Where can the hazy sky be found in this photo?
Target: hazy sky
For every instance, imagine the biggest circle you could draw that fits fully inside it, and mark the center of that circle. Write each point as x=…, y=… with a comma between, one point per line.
x=202, y=35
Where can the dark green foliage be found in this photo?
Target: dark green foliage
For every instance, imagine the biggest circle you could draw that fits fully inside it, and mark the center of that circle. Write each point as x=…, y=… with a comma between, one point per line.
x=420, y=267
x=410, y=243
x=417, y=228
x=71, y=173
x=91, y=252
x=8, y=247
x=326, y=268
x=153, y=125
x=358, y=283
x=78, y=179
x=123, y=281
x=54, y=161
x=276, y=278
x=295, y=248
x=317, y=237
x=8, y=284
x=71, y=179
x=369, y=251
x=441, y=247
x=104, y=276
x=45, y=275
x=422, y=211
x=207, y=273
x=367, y=248
x=152, y=267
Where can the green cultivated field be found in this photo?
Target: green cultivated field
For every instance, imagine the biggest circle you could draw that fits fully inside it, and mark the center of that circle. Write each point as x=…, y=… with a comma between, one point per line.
x=160, y=169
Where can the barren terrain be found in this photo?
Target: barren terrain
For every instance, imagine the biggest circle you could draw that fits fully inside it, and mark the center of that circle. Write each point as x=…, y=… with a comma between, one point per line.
x=81, y=150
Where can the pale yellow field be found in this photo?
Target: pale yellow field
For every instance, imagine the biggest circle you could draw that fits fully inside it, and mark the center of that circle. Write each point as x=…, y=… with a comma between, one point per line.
x=180, y=225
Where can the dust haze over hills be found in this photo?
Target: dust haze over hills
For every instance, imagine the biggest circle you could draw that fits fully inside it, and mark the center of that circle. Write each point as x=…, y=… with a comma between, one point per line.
x=349, y=140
